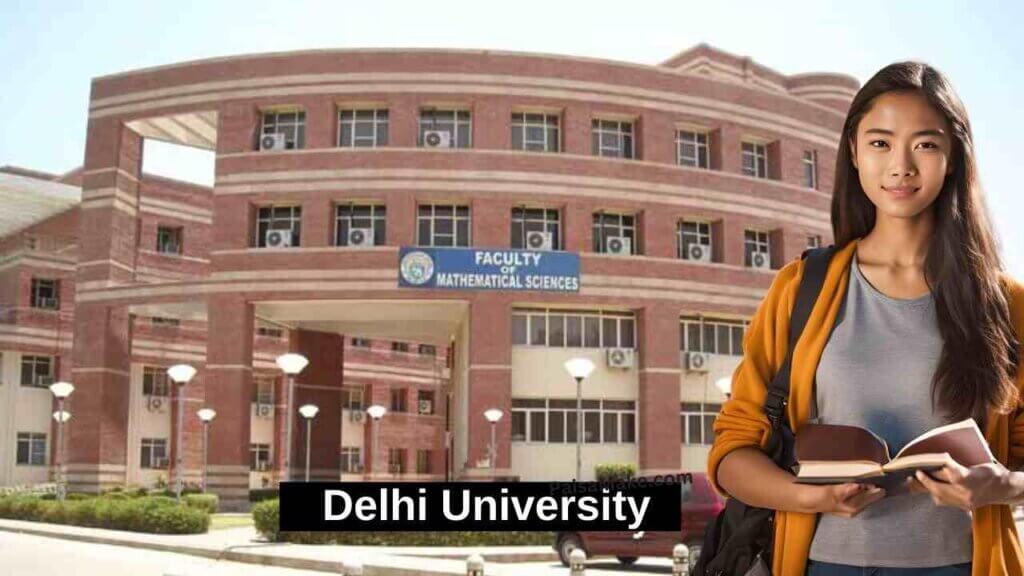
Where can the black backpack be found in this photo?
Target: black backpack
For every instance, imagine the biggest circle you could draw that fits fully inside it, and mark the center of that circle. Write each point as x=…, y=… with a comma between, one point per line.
x=739, y=541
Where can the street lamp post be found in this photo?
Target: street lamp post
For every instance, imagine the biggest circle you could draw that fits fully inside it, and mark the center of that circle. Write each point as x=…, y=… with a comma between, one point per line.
x=181, y=374
x=206, y=415
x=493, y=416
x=308, y=412
x=60, y=391
x=291, y=364
x=579, y=369
x=376, y=412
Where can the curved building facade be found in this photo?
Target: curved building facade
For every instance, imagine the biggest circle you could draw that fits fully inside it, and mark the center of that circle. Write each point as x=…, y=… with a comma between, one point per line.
x=646, y=207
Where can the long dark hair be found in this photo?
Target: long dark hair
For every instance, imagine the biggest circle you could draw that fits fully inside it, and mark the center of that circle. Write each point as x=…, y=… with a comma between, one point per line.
x=979, y=355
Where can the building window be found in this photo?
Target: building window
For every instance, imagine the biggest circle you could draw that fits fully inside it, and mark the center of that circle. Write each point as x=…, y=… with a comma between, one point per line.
x=538, y=132
x=423, y=462
x=360, y=342
x=153, y=453
x=352, y=398
x=573, y=328
x=427, y=350
x=155, y=382
x=443, y=225
x=814, y=241
x=810, y=162
x=527, y=220
x=690, y=233
x=611, y=138
x=398, y=398
x=263, y=390
x=454, y=127
x=608, y=226
x=402, y=347
x=285, y=222
x=351, y=459
x=37, y=371
x=692, y=149
x=259, y=457
x=362, y=128
x=756, y=242
x=755, y=159
x=168, y=240
x=425, y=402
x=359, y=225
x=46, y=293
x=270, y=331
x=712, y=336
x=396, y=460
x=697, y=420
x=31, y=449
x=291, y=124
x=163, y=321
x=553, y=421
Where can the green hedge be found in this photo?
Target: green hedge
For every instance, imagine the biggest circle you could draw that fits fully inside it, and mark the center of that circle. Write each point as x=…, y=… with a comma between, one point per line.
x=266, y=516
x=208, y=502
x=157, y=515
x=261, y=494
x=614, y=472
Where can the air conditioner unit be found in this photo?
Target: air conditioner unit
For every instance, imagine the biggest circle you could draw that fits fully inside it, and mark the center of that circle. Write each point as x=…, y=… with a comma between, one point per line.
x=265, y=410
x=278, y=238
x=538, y=240
x=156, y=404
x=426, y=407
x=273, y=142
x=356, y=415
x=697, y=361
x=761, y=261
x=161, y=462
x=620, y=357
x=437, y=139
x=42, y=381
x=618, y=245
x=360, y=237
x=49, y=303
x=699, y=252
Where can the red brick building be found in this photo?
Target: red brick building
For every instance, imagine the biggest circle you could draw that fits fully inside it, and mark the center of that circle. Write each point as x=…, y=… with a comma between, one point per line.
x=681, y=187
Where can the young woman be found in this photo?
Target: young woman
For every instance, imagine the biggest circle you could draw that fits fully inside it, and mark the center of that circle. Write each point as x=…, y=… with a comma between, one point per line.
x=916, y=326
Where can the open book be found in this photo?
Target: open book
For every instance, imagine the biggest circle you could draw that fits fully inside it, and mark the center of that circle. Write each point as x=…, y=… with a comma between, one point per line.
x=833, y=454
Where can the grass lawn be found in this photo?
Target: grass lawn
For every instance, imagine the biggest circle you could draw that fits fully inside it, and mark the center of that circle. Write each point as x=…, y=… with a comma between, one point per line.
x=221, y=521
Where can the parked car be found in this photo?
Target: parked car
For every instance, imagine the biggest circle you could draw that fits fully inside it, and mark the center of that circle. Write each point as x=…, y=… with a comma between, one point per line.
x=700, y=505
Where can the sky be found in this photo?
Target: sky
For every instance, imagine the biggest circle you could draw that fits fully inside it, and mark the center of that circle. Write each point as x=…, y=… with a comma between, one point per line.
x=53, y=49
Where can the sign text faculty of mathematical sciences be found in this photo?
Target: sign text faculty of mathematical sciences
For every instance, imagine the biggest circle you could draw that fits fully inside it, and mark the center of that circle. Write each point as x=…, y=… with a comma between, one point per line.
x=483, y=269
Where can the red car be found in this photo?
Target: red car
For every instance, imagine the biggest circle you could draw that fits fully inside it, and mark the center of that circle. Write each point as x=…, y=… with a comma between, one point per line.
x=700, y=505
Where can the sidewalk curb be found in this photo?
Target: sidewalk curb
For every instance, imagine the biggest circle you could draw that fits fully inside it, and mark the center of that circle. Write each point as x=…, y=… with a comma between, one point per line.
x=232, y=554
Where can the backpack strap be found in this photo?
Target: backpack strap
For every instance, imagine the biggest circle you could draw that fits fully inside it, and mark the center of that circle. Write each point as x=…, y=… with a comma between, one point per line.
x=817, y=260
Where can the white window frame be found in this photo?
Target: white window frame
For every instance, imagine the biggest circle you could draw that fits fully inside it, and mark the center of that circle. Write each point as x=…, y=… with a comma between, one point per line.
x=263, y=390
x=170, y=237
x=43, y=286
x=814, y=240
x=549, y=126
x=601, y=228
x=760, y=242
x=704, y=411
x=378, y=121
x=621, y=130
x=433, y=218
x=273, y=222
x=697, y=140
x=757, y=153
x=701, y=234
x=155, y=446
x=545, y=316
x=294, y=130
x=353, y=398
x=810, y=164
x=733, y=329
x=350, y=455
x=525, y=220
x=461, y=118
x=157, y=381
x=377, y=221
x=41, y=365
x=568, y=434
x=259, y=452
x=36, y=448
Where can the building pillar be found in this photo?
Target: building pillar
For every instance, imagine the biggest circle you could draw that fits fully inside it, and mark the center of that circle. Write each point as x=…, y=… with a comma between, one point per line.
x=319, y=384
x=97, y=436
x=659, y=390
x=490, y=381
x=229, y=392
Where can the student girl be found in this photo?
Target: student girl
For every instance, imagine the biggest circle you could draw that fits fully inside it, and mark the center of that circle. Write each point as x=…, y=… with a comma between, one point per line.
x=917, y=325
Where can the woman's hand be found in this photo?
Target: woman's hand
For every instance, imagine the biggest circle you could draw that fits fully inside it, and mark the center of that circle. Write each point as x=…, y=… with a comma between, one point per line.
x=966, y=488
x=846, y=500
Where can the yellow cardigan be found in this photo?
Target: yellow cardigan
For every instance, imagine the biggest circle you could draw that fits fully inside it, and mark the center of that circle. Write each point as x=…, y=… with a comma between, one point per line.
x=742, y=421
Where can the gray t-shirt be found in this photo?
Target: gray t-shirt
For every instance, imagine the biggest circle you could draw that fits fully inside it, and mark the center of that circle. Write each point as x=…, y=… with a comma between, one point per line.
x=876, y=373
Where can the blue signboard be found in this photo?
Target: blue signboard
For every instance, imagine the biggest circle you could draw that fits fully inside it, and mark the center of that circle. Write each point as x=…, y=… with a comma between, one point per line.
x=488, y=269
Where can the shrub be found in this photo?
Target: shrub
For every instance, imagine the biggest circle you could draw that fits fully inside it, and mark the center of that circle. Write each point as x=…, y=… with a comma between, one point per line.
x=614, y=472
x=116, y=511
x=266, y=516
x=261, y=494
x=208, y=502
